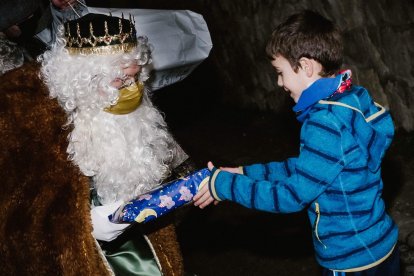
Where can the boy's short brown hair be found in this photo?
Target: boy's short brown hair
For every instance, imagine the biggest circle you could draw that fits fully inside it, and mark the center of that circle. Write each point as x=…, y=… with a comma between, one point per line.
x=307, y=34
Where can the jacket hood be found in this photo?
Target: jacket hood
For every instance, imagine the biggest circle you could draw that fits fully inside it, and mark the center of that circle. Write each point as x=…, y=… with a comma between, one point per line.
x=369, y=123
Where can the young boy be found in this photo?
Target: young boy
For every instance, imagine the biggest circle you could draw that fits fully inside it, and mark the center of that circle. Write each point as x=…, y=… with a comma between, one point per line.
x=337, y=175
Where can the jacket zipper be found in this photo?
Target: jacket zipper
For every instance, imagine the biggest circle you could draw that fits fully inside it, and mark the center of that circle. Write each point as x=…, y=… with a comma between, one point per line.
x=318, y=216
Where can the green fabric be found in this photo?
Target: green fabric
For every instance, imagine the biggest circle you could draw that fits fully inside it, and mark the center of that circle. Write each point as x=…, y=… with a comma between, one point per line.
x=130, y=254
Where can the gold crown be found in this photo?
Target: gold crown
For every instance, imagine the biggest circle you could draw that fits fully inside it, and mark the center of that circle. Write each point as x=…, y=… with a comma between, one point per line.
x=109, y=40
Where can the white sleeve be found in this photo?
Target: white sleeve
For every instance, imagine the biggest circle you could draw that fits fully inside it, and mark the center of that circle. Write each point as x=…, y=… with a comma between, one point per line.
x=103, y=229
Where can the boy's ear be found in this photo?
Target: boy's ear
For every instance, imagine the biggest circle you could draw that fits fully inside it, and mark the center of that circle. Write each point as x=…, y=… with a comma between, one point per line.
x=307, y=65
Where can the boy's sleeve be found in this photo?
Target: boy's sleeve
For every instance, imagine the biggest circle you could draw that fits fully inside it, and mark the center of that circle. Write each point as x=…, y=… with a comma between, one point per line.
x=319, y=163
x=270, y=171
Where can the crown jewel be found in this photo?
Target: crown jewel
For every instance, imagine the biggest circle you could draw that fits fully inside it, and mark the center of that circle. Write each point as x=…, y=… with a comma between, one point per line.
x=100, y=34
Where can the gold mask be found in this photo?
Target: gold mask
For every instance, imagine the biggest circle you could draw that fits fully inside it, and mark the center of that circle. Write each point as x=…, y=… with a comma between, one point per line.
x=129, y=99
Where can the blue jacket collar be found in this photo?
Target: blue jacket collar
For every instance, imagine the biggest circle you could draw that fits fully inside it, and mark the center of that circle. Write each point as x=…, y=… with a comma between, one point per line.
x=321, y=89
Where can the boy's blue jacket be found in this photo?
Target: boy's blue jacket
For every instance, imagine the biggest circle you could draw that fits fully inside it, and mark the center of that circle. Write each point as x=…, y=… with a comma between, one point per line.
x=336, y=177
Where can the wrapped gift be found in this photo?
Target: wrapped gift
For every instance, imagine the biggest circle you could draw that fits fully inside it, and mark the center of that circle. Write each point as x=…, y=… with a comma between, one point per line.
x=161, y=201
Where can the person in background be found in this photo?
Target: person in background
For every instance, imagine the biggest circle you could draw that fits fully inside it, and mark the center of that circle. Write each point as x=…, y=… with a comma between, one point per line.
x=28, y=28
x=12, y=14
x=56, y=12
x=337, y=175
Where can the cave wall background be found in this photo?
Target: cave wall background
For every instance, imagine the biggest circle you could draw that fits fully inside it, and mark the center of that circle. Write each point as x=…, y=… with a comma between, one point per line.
x=378, y=43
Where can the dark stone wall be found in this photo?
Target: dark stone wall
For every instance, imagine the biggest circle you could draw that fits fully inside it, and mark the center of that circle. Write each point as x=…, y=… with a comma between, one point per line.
x=378, y=38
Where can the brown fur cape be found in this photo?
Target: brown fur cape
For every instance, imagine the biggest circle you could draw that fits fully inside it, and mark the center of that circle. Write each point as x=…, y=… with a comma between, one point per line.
x=45, y=221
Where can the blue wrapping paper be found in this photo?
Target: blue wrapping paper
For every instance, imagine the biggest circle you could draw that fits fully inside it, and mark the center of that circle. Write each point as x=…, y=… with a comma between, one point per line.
x=161, y=201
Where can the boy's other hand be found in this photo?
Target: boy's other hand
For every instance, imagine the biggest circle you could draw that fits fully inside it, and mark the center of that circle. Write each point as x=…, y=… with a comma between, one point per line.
x=203, y=198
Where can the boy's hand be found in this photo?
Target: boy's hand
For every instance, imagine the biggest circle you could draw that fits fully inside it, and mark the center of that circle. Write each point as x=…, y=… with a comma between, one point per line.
x=203, y=198
x=210, y=165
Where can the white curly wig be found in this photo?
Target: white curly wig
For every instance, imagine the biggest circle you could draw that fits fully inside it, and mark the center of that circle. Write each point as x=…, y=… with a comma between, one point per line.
x=126, y=155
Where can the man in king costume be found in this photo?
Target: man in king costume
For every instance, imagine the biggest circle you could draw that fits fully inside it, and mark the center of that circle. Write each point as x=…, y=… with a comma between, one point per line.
x=97, y=70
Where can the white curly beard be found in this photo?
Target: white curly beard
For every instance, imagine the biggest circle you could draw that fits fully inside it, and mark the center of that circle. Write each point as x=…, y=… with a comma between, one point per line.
x=126, y=155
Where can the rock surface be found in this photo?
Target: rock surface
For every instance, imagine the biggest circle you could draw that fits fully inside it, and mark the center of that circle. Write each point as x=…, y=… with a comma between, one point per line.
x=378, y=39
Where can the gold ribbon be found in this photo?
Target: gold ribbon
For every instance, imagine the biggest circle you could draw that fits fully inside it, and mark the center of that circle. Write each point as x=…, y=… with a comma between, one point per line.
x=129, y=99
